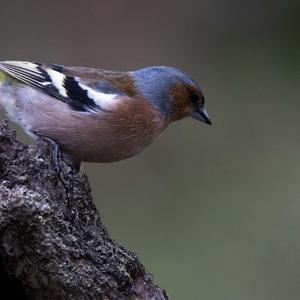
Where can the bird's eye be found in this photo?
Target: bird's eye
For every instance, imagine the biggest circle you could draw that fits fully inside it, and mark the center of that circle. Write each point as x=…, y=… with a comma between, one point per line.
x=195, y=99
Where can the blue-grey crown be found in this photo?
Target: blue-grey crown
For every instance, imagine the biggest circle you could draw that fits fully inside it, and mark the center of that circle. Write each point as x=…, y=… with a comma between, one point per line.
x=155, y=83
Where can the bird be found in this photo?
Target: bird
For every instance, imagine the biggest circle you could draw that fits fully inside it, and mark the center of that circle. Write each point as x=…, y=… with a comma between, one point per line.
x=96, y=115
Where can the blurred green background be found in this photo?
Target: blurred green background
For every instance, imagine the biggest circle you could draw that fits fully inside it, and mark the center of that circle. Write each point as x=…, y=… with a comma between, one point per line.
x=214, y=212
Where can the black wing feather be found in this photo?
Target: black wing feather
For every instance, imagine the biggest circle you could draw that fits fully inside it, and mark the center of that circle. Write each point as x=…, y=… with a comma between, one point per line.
x=77, y=98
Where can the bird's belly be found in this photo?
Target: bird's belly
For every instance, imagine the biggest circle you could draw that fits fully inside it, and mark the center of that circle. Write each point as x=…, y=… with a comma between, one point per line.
x=94, y=139
x=104, y=149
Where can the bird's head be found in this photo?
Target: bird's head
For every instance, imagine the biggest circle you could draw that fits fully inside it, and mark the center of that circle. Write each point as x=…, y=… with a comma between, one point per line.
x=172, y=92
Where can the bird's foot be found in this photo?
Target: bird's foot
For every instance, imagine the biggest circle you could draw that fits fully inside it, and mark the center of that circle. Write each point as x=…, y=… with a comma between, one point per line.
x=64, y=166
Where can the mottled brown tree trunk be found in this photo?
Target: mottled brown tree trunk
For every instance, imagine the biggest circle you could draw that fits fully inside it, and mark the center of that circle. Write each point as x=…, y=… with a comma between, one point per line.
x=53, y=244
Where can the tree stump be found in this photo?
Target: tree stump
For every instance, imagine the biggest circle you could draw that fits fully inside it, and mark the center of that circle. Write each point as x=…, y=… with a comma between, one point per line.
x=53, y=244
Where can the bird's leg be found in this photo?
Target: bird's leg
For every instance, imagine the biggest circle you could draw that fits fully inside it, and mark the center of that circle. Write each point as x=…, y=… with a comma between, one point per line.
x=60, y=164
x=56, y=156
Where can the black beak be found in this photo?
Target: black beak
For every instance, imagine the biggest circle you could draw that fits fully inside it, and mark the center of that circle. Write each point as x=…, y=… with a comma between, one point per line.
x=201, y=115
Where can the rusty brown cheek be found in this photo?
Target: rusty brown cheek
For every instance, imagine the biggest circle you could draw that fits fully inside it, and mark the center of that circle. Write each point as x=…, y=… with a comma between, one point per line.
x=180, y=107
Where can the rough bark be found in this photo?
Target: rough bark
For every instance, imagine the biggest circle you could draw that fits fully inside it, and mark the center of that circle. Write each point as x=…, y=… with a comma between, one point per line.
x=53, y=244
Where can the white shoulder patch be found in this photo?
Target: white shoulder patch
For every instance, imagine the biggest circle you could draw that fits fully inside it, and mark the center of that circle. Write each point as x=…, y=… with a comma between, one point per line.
x=105, y=101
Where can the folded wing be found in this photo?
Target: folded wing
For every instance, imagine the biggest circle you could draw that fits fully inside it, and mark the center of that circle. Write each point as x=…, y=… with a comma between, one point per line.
x=55, y=81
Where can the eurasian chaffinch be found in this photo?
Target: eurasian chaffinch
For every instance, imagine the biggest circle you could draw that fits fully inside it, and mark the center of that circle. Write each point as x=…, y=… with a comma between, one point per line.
x=96, y=115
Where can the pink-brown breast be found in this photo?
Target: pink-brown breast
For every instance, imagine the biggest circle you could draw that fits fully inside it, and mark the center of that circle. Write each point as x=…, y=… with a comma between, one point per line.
x=102, y=137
